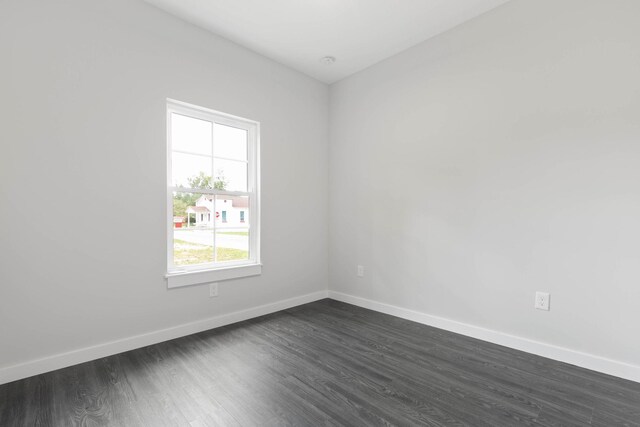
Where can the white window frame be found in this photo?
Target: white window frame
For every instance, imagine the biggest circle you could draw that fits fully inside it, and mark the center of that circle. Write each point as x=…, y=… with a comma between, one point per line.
x=178, y=276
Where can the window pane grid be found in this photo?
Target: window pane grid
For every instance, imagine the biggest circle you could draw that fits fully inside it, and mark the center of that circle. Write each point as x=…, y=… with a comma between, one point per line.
x=219, y=229
x=192, y=153
x=230, y=159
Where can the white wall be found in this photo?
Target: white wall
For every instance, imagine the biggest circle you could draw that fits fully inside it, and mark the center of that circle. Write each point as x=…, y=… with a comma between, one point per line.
x=83, y=86
x=510, y=147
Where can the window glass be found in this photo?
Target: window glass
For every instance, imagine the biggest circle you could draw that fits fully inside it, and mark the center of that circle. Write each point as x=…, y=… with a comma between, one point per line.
x=191, y=171
x=232, y=244
x=230, y=142
x=190, y=134
x=231, y=174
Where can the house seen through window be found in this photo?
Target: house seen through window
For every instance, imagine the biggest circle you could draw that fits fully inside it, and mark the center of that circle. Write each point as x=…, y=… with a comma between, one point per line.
x=212, y=189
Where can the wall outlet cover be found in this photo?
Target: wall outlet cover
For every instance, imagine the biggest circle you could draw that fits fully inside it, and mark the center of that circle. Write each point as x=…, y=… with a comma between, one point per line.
x=213, y=290
x=542, y=301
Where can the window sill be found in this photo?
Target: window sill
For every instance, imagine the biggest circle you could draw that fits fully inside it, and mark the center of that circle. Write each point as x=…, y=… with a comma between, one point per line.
x=188, y=278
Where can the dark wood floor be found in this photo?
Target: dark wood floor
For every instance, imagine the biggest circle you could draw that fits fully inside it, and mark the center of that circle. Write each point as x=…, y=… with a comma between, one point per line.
x=325, y=363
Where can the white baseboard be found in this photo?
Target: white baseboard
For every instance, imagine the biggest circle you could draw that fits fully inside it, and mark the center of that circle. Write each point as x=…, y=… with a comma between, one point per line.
x=58, y=361
x=584, y=360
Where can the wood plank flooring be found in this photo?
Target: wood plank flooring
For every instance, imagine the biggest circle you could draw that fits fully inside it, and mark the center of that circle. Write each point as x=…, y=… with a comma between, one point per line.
x=322, y=364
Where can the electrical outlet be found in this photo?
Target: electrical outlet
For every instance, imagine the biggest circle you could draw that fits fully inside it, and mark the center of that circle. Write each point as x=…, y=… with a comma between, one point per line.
x=213, y=290
x=542, y=301
x=360, y=271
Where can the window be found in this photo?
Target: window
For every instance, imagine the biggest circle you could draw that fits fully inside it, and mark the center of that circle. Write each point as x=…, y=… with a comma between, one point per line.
x=213, y=161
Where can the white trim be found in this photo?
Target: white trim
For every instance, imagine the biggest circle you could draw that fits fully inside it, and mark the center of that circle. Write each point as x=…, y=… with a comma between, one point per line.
x=562, y=354
x=62, y=360
x=186, y=108
x=186, y=275
x=176, y=279
x=169, y=207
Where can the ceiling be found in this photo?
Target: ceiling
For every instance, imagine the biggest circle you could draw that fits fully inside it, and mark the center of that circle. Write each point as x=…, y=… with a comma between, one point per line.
x=298, y=33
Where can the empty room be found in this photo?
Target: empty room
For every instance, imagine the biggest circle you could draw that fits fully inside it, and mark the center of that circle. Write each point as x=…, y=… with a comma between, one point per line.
x=320, y=213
